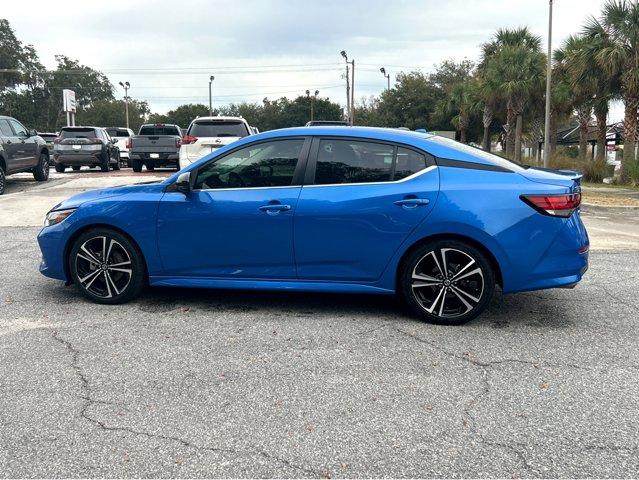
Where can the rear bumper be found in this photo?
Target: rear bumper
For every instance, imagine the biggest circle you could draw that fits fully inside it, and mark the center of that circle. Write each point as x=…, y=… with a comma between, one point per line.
x=163, y=158
x=563, y=264
x=81, y=159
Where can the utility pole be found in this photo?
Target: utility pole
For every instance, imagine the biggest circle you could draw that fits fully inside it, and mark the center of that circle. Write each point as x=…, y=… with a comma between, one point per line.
x=126, y=86
x=348, y=88
x=353, y=93
x=312, y=100
x=387, y=76
x=547, y=132
x=211, y=78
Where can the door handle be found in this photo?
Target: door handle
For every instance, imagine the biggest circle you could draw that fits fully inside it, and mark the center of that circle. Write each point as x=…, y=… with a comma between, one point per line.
x=412, y=202
x=274, y=208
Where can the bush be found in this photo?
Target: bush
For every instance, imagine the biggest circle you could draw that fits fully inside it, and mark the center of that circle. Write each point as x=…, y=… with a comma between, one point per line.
x=595, y=171
x=632, y=173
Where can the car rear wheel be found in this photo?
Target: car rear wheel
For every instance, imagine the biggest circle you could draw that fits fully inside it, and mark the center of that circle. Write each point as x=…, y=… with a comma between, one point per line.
x=136, y=165
x=41, y=171
x=76, y=168
x=104, y=163
x=2, y=180
x=60, y=168
x=116, y=165
x=150, y=166
x=107, y=267
x=447, y=282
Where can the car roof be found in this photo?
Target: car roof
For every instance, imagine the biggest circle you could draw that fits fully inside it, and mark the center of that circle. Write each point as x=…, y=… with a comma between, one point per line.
x=224, y=119
x=78, y=127
x=433, y=144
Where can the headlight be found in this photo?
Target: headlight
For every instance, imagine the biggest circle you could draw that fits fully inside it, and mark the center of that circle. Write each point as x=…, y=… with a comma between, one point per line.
x=53, y=218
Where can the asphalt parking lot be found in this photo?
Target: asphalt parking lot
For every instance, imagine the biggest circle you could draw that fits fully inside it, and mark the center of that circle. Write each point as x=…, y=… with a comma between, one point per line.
x=186, y=383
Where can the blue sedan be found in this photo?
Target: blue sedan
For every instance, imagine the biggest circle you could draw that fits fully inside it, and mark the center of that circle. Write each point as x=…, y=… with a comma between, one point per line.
x=329, y=209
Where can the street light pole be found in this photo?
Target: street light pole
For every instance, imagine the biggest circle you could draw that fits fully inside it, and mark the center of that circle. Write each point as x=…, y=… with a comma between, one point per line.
x=348, y=87
x=386, y=76
x=353, y=93
x=126, y=86
x=211, y=78
x=547, y=133
x=312, y=100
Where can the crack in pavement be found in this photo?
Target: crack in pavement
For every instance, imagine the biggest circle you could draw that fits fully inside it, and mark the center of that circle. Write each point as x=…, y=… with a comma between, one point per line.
x=88, y=401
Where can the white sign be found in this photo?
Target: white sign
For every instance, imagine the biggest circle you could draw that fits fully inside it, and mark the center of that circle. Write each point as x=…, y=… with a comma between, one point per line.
x=68, y=101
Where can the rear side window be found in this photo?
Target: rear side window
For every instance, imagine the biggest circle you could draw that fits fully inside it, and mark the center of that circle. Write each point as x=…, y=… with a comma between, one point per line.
x=218, y=128
x=78, y=133
x=5, y=129
x=409, y=162
x=152, y=130
x=352, y=161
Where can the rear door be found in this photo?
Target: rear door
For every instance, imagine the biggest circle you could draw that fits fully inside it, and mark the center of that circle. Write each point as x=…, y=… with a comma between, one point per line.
x=11, y=145
x=360, y=200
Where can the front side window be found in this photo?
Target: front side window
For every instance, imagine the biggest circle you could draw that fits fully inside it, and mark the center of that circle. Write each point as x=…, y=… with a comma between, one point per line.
x=353, y=161
x=267, y=164
x=18, y=128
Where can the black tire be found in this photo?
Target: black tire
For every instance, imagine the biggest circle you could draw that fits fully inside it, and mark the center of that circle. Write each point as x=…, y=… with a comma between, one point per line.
x=136, y=165
x=104, y=163
x=116, y=165
x=92, y=275
x=41, y=171
x=3, y=180
x=453, y=296
x=60, y=168
x=150, y=166
x=76, y=168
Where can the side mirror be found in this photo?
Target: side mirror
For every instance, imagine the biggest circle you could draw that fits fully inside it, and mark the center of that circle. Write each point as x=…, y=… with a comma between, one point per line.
x=114, y=141
x=183, y=183
x=32, y=132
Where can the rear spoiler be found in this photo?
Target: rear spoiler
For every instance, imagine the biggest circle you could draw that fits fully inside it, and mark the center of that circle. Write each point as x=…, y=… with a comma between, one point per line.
x=574, y=175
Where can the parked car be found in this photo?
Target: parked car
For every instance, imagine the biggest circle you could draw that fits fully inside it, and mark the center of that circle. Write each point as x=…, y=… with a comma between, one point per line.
x=85, y=146
x=121, y=136
x=329, y=209
x=21, y=150
x=206, y=134
x=156, y=145
x=49, y=139
x=326, y=123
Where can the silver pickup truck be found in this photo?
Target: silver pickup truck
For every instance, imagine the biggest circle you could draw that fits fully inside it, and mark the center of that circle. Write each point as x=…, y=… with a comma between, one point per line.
x=156, y=145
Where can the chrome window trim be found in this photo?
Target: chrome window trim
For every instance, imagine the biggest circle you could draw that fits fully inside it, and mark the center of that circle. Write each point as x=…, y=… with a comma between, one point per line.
x=390, y=182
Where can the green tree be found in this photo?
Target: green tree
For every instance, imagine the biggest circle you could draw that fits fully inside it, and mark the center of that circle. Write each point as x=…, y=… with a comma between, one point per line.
x=182, y=115
x=410, y=103
x=10, y=56
x=112, y=113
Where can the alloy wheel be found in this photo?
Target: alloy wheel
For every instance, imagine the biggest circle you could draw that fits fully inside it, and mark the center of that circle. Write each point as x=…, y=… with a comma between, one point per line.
x=447, y=282
x=103, y=267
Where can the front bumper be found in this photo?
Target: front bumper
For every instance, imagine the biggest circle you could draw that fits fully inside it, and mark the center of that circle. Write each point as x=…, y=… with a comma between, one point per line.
x=51, y=242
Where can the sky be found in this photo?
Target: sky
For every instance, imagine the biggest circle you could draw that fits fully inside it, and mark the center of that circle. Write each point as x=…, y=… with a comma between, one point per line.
x=167, y=50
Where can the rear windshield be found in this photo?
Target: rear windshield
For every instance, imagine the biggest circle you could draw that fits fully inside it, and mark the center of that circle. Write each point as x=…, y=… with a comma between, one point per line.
x=117, y=132
x=490, y=158
x=160, y=130
x=218, y=128
x=48, y=136
x=78, y=133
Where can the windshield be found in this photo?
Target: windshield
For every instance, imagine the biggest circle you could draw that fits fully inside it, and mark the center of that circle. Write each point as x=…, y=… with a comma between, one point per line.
x=152, y=130
x=478, y=152
x=78, y=133
x=218, y=128
x=117, y=132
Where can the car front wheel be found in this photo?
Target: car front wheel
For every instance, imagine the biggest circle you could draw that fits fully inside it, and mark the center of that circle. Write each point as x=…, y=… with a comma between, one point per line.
x=2, y=180
x=447, y=282
x=41, y=171
x=107, y=267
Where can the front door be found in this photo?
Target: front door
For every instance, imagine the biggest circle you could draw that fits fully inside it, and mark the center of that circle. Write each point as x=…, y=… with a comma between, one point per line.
x=365, y=199
x=238, y=220
x=25, y=146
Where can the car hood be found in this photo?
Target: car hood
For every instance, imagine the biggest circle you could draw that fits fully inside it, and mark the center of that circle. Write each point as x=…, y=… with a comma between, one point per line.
x=101, y=194
x=562, y=178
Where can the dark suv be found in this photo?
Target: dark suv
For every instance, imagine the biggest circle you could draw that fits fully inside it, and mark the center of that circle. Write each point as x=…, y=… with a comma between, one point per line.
x=21, y=150
x=85, y=146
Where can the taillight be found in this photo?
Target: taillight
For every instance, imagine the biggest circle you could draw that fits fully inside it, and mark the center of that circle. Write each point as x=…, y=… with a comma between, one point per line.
x=188, y=139
x=57, y=140
x=554, y=205
x=178, y=142
x=129, y=142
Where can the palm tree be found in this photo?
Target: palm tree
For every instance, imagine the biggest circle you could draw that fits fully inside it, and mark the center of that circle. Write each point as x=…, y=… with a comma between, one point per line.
x=586, y=68
x=512, y=67
x=459, y=103
x=618, y=30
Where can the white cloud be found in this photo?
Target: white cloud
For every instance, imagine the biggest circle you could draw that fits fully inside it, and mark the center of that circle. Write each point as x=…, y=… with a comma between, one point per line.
x=119, y=37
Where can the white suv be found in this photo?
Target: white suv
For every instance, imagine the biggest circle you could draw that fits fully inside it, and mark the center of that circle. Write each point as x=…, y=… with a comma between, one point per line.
x=205, y=134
